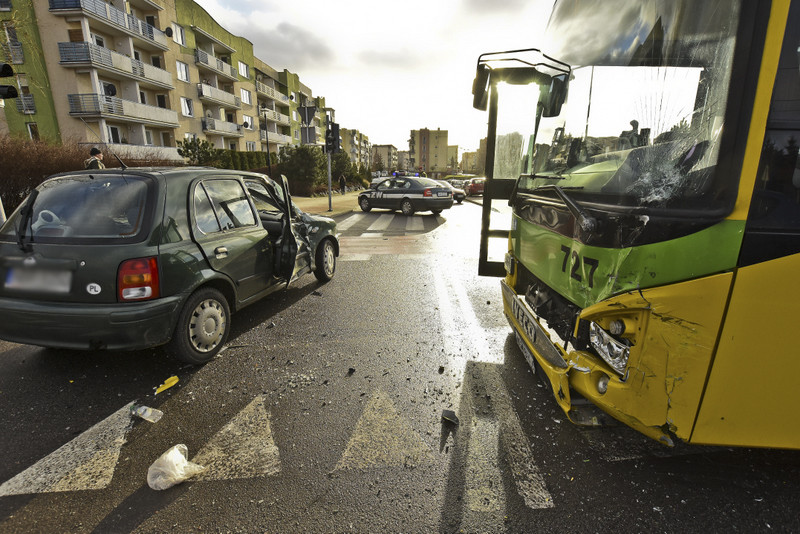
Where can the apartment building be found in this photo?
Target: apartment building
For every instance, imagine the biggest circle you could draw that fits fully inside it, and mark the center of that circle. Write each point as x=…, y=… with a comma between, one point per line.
x=428, y=150
x=356, y=145
x=403, y=162
x=469, y=162
x=387, y=155
x=144, y=74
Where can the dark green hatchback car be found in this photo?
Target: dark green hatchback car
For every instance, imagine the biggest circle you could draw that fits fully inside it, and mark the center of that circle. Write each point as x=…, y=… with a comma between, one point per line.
x=135, y=258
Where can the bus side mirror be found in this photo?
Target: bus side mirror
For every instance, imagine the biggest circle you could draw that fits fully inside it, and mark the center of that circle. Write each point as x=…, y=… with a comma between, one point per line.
x=480, y=88
x=553, y=97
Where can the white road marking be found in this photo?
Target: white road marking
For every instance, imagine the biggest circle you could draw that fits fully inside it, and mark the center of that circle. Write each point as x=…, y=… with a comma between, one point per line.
x=529, y=481
x=414, y=224
x=349, y=221
x=85, y=463
x=382, y=223
x=355, y=257
x=383, y=438
x=244, y=448
x=484, y=485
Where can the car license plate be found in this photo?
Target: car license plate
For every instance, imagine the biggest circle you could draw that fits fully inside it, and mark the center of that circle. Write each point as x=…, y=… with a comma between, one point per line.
x=443, y=194
x=41, y=280
x=531, y=328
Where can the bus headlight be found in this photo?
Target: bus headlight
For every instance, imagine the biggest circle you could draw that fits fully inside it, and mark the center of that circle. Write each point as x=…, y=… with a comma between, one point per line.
x=614, y=352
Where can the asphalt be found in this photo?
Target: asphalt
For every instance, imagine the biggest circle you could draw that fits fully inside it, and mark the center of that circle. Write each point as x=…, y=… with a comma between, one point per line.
x=339, y=204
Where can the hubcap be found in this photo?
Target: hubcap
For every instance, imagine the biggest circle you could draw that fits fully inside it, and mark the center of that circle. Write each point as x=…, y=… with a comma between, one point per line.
x=207, y=325
x=329, y=259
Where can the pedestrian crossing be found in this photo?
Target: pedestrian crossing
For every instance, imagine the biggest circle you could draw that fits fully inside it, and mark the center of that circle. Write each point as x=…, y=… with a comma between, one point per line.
x=387, y=223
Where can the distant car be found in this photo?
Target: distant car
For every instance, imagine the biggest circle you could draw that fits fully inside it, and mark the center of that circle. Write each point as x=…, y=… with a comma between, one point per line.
x=474, y=186
x=131, y=259
x=407, y=194
x=458, y=194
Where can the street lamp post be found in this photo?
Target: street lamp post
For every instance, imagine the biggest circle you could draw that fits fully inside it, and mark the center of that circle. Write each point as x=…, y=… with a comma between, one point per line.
x=266, y=138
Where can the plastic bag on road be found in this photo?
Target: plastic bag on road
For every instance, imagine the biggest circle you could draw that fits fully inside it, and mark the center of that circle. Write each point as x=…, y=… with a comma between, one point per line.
x=172, y=467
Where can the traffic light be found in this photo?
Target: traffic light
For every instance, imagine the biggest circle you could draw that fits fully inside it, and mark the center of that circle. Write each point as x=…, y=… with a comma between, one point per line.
x=329, y=141
x=335, y=135
x=7, y=91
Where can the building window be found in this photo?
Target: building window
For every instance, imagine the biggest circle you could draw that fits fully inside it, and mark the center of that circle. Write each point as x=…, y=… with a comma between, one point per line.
x=98, y=40
x=33, y=130
x=155, y=61
x=142, y=97
x=189, y=136
x=148, y=137
x=183, y=71
x=178, y=35
x=246, y=96
x=244, y=70
x=248, y=120
x=187, y=107
x=113, y=134
x=251, y=146
x=161, y=101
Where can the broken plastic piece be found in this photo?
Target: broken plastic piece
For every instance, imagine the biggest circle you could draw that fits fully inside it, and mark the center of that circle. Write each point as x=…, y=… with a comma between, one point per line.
x=147, y=413
x=450, y=416
x=351, y=371
x=172, y=468
x=168, y=383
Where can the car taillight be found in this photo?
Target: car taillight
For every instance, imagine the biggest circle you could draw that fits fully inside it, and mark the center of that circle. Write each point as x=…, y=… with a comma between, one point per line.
x=427, y=193
x=137, y=279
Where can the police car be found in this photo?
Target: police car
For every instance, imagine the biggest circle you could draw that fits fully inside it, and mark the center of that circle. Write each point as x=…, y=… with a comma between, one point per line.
x=407, y=194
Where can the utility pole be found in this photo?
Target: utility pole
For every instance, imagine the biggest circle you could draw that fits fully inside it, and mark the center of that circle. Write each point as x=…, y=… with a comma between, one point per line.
x=331, y=145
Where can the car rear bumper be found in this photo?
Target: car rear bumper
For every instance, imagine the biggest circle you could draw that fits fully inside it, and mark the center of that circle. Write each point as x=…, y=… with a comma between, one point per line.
x=433, y=204
x=129, y=326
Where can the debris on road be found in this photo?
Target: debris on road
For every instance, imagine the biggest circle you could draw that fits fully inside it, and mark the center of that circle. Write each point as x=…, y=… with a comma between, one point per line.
x=168, y=383
x=351, y=371
x=172, y=468
x=146, y=413
x=450, y=416
x=441, y=369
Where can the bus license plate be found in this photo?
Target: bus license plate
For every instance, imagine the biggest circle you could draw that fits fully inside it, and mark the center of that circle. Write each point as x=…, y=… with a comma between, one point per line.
x=39, y=280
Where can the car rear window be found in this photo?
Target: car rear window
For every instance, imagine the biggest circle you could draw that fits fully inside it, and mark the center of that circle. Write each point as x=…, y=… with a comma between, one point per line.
x=81, y=207
x=428, y=182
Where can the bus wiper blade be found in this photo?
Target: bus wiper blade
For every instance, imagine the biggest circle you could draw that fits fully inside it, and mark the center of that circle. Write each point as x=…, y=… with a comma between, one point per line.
x=27, y=215
x=585, y=221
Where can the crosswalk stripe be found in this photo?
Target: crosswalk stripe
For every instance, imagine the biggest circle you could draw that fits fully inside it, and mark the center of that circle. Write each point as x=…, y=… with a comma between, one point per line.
x=244, y=448
x=85, y=463
x=414, y=224
x=383, y=438
x=382, y=223
x=345, y=225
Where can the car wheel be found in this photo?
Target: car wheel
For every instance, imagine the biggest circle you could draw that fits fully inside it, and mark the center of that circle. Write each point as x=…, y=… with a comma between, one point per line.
x=459, y=201
x=436, y=212
x=203, y=327
x=364, y=203
x=325, y=261
x=406, y=207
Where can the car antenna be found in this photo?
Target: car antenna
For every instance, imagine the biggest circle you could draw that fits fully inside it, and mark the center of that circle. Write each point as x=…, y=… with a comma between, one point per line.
x=105, y=144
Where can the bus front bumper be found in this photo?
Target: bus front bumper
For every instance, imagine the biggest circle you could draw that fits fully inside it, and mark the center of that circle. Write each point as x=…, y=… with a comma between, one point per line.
x=576, y=371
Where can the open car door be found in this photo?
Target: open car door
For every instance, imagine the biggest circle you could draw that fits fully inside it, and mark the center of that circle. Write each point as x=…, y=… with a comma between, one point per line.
x=286, y=257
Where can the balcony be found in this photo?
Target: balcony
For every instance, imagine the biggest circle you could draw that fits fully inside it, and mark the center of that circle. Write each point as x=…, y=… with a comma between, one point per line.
x=275, y=116
x=14, y=53
x=25, y=104
x=204, y=59
x=269, y=92
x=207, y=93
x=5, y=5
x=91, y=55
x=223, y=128
x=114, y=18
x=111, y=107
x=275, y=138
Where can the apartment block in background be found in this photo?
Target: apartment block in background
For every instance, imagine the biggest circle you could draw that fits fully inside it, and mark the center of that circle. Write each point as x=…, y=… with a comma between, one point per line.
x=356, y=145
x=385, y=154
x=428, y=151
x=141, y=75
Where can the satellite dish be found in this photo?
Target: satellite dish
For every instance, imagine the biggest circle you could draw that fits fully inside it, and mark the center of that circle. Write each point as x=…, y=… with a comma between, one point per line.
x=209, y=115
x=245, y=124
x=168, y=31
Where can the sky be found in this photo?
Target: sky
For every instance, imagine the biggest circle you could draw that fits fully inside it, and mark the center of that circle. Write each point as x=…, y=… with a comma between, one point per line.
x=388, y=68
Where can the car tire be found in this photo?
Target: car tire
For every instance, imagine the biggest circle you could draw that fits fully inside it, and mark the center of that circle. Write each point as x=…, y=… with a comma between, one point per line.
x=363, y=203
x=406, y=207
x=203, y=327
x=325, y=261
x=436, y=212
x=459, y=201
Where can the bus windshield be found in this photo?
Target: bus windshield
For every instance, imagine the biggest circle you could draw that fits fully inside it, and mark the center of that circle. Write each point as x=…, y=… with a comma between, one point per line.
x=644, y=112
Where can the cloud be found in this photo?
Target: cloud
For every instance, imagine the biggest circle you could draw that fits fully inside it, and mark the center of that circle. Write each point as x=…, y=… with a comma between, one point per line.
x=290, y=46
x=492, y=7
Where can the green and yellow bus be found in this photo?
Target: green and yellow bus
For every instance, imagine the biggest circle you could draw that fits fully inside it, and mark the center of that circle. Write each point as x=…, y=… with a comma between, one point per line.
x=646, y=158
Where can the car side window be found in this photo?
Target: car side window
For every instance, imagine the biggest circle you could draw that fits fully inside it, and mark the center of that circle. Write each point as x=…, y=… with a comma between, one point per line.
x=386, y=184
x=230, y=203
x=204, y=213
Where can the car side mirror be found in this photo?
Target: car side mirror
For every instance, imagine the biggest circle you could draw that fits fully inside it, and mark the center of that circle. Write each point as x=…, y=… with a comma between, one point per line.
x=480, y=88
x=552, y=98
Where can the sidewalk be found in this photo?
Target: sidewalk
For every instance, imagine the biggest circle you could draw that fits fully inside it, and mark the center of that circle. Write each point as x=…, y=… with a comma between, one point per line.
x=341, y=204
